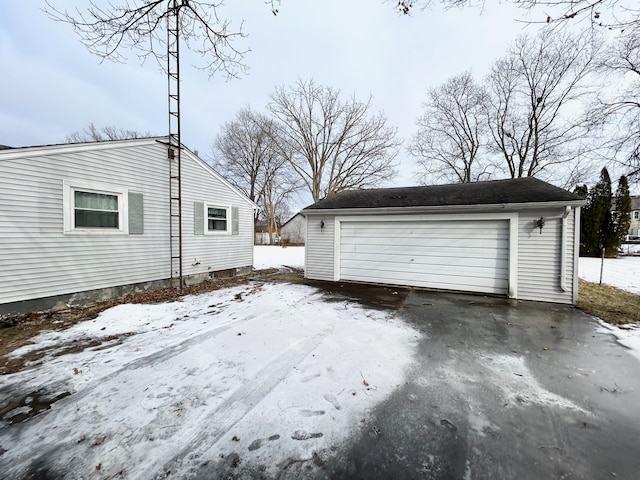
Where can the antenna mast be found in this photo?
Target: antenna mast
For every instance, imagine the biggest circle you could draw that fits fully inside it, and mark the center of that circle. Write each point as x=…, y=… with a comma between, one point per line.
x=175, y=145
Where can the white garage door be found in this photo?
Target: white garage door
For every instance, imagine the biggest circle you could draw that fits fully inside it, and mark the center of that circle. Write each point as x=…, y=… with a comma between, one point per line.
x=469, y=255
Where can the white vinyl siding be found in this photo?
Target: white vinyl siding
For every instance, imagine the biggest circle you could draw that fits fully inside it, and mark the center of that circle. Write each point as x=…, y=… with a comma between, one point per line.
x=39, y=260
x=214, y=250
x=539, y=265
x=319, y=250
x=294, y=230
x=450, y=254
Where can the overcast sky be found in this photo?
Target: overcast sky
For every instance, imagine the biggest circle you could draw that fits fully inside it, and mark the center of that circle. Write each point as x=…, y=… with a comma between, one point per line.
x=52, y=86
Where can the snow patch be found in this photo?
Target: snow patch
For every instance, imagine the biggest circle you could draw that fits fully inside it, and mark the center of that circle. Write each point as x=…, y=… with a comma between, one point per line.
x=622, y=272
x=261, y=373
x=273, y=256
x=628, y=336
x=512, y=380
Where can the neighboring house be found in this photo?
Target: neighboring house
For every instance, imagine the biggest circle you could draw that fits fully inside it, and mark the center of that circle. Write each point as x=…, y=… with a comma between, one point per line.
x=294, y=230
x=85, y=221
x=264, y=235
x=634, y=226
x=516, y=238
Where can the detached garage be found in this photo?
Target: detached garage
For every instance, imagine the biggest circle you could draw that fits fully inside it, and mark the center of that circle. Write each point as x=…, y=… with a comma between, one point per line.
x=516, y=238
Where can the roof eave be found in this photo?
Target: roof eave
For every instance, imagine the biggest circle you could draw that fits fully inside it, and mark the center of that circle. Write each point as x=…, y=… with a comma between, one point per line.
x=41, y=150
x=445, y=208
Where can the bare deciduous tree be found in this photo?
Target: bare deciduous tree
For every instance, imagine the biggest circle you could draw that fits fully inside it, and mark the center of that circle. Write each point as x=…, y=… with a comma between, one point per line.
x=241, y=150
x=451, y=132
x=141, y=26
x=621, y=111
x=610, y=14
x=333, y=145
x=246, y=152
x=535, y=95
x=91, y=133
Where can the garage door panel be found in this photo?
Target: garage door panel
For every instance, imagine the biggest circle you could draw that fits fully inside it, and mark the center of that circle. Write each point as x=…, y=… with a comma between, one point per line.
x=455, y=251
x=371, y=228
x=454, y=255
x=427, y=242
x=444, y=282
x=399, y=262
x=425, y=233
x=435, y=272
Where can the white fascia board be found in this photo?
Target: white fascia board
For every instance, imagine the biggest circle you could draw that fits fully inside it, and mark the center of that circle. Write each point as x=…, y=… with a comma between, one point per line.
x=24, y=152
x=501, y=207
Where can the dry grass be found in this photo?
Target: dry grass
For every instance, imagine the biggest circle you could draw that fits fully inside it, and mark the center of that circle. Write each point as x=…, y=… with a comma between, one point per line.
x=609, y=303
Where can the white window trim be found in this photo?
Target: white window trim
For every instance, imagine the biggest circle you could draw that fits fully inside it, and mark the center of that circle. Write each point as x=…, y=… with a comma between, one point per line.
x=636, y=214
x=227, y=208
x=68, y=190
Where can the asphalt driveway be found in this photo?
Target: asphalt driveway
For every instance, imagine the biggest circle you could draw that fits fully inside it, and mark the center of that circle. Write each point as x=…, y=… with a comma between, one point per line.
x=270, y=380
x=503, y=390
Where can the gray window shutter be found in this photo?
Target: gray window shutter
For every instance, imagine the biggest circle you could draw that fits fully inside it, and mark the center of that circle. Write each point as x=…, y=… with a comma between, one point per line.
x=235, y=221
x=136, y=214
x=198, y=218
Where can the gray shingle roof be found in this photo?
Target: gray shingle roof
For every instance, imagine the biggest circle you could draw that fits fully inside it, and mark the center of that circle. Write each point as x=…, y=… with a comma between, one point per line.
x=518, y=190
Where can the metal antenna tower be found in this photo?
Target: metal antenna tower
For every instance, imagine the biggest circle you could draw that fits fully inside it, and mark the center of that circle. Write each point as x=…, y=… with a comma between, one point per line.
x=175, y=144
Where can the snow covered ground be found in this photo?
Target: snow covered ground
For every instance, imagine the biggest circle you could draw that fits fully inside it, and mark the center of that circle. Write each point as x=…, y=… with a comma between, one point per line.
x=271, y=371
x=263, y=374
x=267, y=256
x=626, y=335
x=622, y=272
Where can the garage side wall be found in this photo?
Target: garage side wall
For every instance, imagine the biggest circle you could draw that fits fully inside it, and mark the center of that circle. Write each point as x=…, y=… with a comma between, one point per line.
x=540, y=266
x=319, y=251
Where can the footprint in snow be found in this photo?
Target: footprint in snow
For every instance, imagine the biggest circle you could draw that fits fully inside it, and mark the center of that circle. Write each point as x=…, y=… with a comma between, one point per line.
x=332, y=400
x=302, y=435
x=256, y=444
x=309, y=377
x=312, y=413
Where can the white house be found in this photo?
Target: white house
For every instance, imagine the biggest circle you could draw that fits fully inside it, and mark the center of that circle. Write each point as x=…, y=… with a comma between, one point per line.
x=634, y=225
x=293, y=230
x=516, y=238
x=86, y=221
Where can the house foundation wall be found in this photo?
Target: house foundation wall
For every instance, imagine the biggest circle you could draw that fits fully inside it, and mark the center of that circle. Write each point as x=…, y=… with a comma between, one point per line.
x=58, y=302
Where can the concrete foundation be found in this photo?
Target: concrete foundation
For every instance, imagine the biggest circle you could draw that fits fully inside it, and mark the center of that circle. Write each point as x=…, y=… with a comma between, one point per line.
x=103, y=294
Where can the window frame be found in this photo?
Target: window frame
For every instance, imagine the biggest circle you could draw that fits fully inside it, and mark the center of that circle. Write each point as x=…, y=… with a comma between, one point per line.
x=228, y=219
x=636, y=214
x=69, y=189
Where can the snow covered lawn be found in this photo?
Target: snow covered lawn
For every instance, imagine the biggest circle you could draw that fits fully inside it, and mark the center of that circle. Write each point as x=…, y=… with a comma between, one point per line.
x=273, y=256
x=262, y=374
x=623, y=272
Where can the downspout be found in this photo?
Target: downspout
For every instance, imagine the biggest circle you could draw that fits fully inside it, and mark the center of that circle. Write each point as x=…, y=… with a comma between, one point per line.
x=563, y=250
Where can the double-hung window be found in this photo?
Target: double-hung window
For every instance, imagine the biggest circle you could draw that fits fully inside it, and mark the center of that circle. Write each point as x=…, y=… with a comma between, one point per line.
x=217, y=219
x=95, y=210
